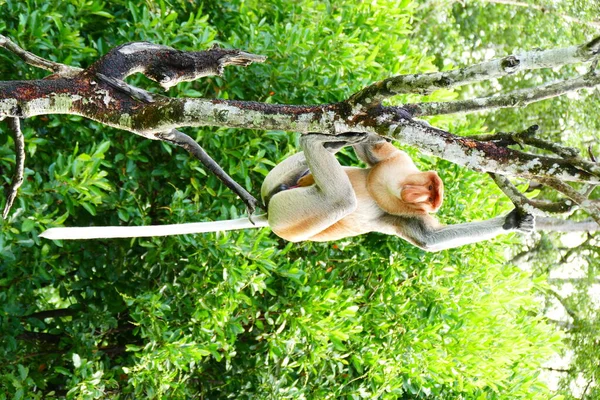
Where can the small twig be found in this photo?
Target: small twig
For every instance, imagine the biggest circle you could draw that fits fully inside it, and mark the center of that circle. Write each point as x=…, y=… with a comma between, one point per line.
x=37, y=61
x=530, y=205
x=587, y=205
x=517, y=98
x=17, y=180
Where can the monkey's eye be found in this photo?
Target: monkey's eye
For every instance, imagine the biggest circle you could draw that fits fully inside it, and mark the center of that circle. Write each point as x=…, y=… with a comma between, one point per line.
x=431, y=199
x=430, y=187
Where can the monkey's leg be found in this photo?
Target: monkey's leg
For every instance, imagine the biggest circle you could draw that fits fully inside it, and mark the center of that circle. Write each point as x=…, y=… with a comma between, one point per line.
x=182, y=140
x=301, y=213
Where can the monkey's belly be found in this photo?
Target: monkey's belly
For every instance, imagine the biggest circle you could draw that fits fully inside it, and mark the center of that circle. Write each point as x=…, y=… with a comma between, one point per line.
x=363, y=220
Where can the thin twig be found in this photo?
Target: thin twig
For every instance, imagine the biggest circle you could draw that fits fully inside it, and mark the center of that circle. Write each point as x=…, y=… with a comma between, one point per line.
x=530, y=205
x=17, y=180
x=37, y=61
x=588, y=206
x=517, y=98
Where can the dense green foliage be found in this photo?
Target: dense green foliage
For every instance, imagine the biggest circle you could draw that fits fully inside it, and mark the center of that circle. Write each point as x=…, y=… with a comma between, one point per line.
x=244, y=314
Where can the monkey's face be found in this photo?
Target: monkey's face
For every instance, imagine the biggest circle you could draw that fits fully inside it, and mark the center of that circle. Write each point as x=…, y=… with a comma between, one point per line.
x=423, y=191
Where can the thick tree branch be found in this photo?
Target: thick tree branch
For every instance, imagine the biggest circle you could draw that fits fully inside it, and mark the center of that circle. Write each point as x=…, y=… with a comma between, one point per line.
x=517, y=98
x=427, y=83
x=99, y=101
x=17, y=180
x=39, y=62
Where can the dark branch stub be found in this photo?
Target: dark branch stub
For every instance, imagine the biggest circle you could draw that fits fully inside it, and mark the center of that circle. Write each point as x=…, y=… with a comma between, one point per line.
x=168, y=66
x=17, y=180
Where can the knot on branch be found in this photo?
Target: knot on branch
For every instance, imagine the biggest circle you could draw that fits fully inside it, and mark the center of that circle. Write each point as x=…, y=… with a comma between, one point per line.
x=510, y=64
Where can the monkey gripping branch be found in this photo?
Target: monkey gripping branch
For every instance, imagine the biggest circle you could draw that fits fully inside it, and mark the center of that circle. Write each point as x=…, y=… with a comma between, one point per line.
x=100, y=94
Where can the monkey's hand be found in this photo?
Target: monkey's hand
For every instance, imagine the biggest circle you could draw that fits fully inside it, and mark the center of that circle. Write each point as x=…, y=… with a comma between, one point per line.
x=518, y=220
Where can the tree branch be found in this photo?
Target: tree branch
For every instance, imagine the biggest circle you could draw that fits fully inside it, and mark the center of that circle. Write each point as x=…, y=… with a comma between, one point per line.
x=497, y=68
x=561, y=225
x=517, y=98
x=530, y=205
x=563, y=302
x=589, y=206
x=182, y=140
x=98, y=93
x=17, y=180
x=39, y=62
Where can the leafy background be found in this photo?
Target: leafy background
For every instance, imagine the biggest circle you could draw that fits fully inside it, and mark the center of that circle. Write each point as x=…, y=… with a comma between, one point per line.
x=245, y=314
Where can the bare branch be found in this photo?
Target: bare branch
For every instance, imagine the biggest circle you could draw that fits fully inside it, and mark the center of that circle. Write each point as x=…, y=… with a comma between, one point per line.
x=563, y=302
x=17, y=180
x=569, y=153
x=530, y=205
x=427, y=83
x=561, y=225
x=39, y=62
x=557, y=281
x=517, y=98
x=480, y=156
x=589, y=206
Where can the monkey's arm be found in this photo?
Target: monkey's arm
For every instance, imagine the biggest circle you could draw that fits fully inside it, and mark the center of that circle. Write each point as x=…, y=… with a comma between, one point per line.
x=426, y=233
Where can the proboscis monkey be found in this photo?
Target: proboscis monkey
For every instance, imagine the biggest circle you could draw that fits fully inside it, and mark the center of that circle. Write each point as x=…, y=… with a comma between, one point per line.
x=310, y=196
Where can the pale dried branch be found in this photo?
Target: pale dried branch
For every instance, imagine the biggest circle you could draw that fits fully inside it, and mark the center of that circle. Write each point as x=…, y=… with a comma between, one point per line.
x=497, y=68
x=562, y=225
x=17, y=180
x=517, y=98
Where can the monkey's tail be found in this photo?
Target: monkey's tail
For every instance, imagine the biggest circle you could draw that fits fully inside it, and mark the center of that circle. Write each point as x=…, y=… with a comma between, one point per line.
x=106, y=232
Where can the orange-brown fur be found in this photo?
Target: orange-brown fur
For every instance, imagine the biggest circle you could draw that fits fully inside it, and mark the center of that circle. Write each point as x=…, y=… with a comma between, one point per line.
x=307, y=212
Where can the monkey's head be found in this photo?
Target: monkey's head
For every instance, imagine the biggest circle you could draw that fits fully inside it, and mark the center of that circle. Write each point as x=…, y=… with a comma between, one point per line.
x=423, y=191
